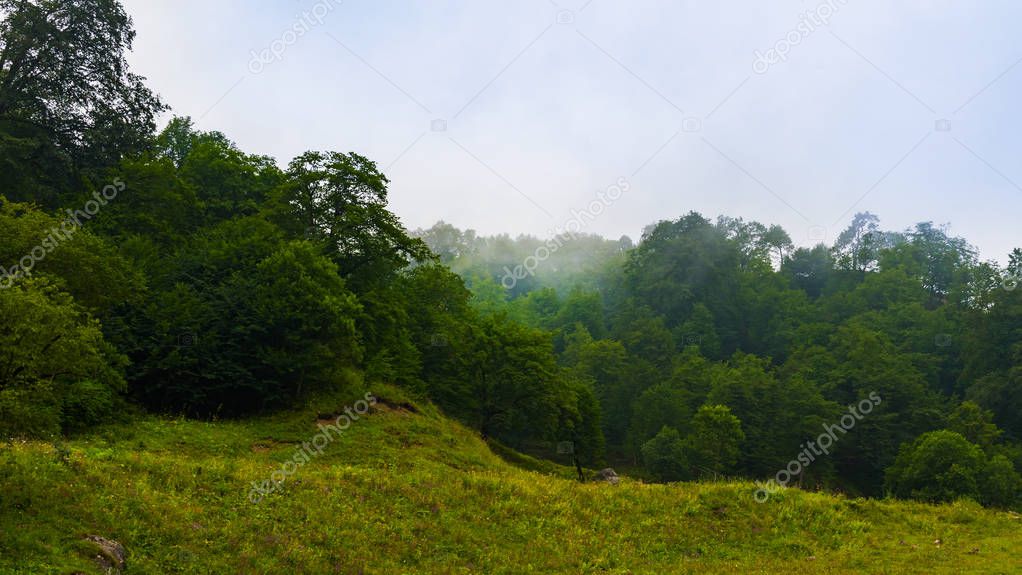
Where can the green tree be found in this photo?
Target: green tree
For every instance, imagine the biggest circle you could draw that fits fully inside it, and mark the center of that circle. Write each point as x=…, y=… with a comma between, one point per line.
x=64, y=79
x=1000, y=484
x=581, y=421
x=681, y=262
x=440, y=318
x=664, y=456
x=617, y=380
x=937, y=466
x=714, y=444
x=777, y=415
x=699, y=330
x=57, y=373
x=341, y=200
x=33, y=243
x=975, y=424
x=645, y=335
x=868, y=363
x=858, y=247
x=663, y=404
x=228, y=182
x=810, y=269
x=242, y=320
x=516, y=390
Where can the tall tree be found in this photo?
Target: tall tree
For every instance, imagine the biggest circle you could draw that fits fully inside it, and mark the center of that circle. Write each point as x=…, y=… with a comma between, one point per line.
x=63, y=76
x=341, y=200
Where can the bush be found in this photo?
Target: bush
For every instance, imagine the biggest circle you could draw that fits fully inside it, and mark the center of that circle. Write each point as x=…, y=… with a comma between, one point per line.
x=664, y=456
x=58, y=373
x=938, y=466
x=714, y=444
x=31, y=411
x=88, y=402
x=1000, y=485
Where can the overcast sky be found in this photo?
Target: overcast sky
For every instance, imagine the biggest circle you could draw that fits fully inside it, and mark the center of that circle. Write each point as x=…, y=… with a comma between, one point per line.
x=507, y=116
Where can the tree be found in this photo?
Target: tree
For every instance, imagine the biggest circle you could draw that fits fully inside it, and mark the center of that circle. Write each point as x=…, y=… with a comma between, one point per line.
x=447, y=241
x=157, y=207
x=243, y=320
x=64, y=76
x=864, y=363
x=176, y=140
x=933, y=257
x=440, y=319
x=582, y=307
x=617, y=380
x=57, y=373
x=777, y=415
x=699, y=330
x=661, y=405
x=341, y=200
x=810, y=269
x=645, y=335
x=228, y=182
x=581, y=421
x=937, y=466
x=515, y=388
x=975, y=424
x=858, y=247
x=681, y=262
x=1000, y=484
x=779, y=241
x=1001, y=393
x=664, y=456
x=1015, y=263
x=714, y=444
x=88, y=267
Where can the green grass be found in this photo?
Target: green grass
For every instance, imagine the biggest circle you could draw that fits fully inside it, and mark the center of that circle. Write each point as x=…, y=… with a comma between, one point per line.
x=404, y=490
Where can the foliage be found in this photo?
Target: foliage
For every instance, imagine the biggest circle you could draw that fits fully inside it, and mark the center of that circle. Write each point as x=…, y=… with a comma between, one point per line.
x=664, y=456
x=57, y=373
x=243, y=321
x=65, y=83
x=943, y=466
x=715, y=442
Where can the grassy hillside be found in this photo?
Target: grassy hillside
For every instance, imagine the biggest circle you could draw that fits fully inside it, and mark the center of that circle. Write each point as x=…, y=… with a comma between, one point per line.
x=404, y=490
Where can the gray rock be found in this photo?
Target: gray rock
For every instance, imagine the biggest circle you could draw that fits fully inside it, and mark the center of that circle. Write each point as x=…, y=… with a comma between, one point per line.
x=608, y=475
x=110, y=555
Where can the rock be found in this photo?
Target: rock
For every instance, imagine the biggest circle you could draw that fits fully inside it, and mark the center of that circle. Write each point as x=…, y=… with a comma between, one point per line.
x=110, y=555
x=608, y=475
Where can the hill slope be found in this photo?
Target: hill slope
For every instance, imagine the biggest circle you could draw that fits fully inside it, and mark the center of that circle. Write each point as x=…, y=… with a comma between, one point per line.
x=404, y=490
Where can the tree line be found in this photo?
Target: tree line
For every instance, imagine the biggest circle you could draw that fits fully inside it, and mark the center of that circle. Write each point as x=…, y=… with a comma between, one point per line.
x=716, y=347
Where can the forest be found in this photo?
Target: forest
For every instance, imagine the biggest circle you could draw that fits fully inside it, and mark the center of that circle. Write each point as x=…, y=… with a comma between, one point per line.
x=149, y=266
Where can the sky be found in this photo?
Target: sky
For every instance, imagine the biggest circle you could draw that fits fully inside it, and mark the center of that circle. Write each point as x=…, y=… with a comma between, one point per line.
x=514, y=117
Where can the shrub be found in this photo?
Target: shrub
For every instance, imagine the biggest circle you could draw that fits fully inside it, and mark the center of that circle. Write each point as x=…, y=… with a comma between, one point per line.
x=57, y=373
x=1000, y=485
x=937, y=466
x=664, y=456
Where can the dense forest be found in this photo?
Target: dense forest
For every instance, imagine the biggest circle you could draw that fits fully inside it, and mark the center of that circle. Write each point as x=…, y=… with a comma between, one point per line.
x=164, y=269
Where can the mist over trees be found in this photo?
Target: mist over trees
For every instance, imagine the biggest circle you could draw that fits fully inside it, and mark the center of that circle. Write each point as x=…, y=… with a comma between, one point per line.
x=728, y=318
